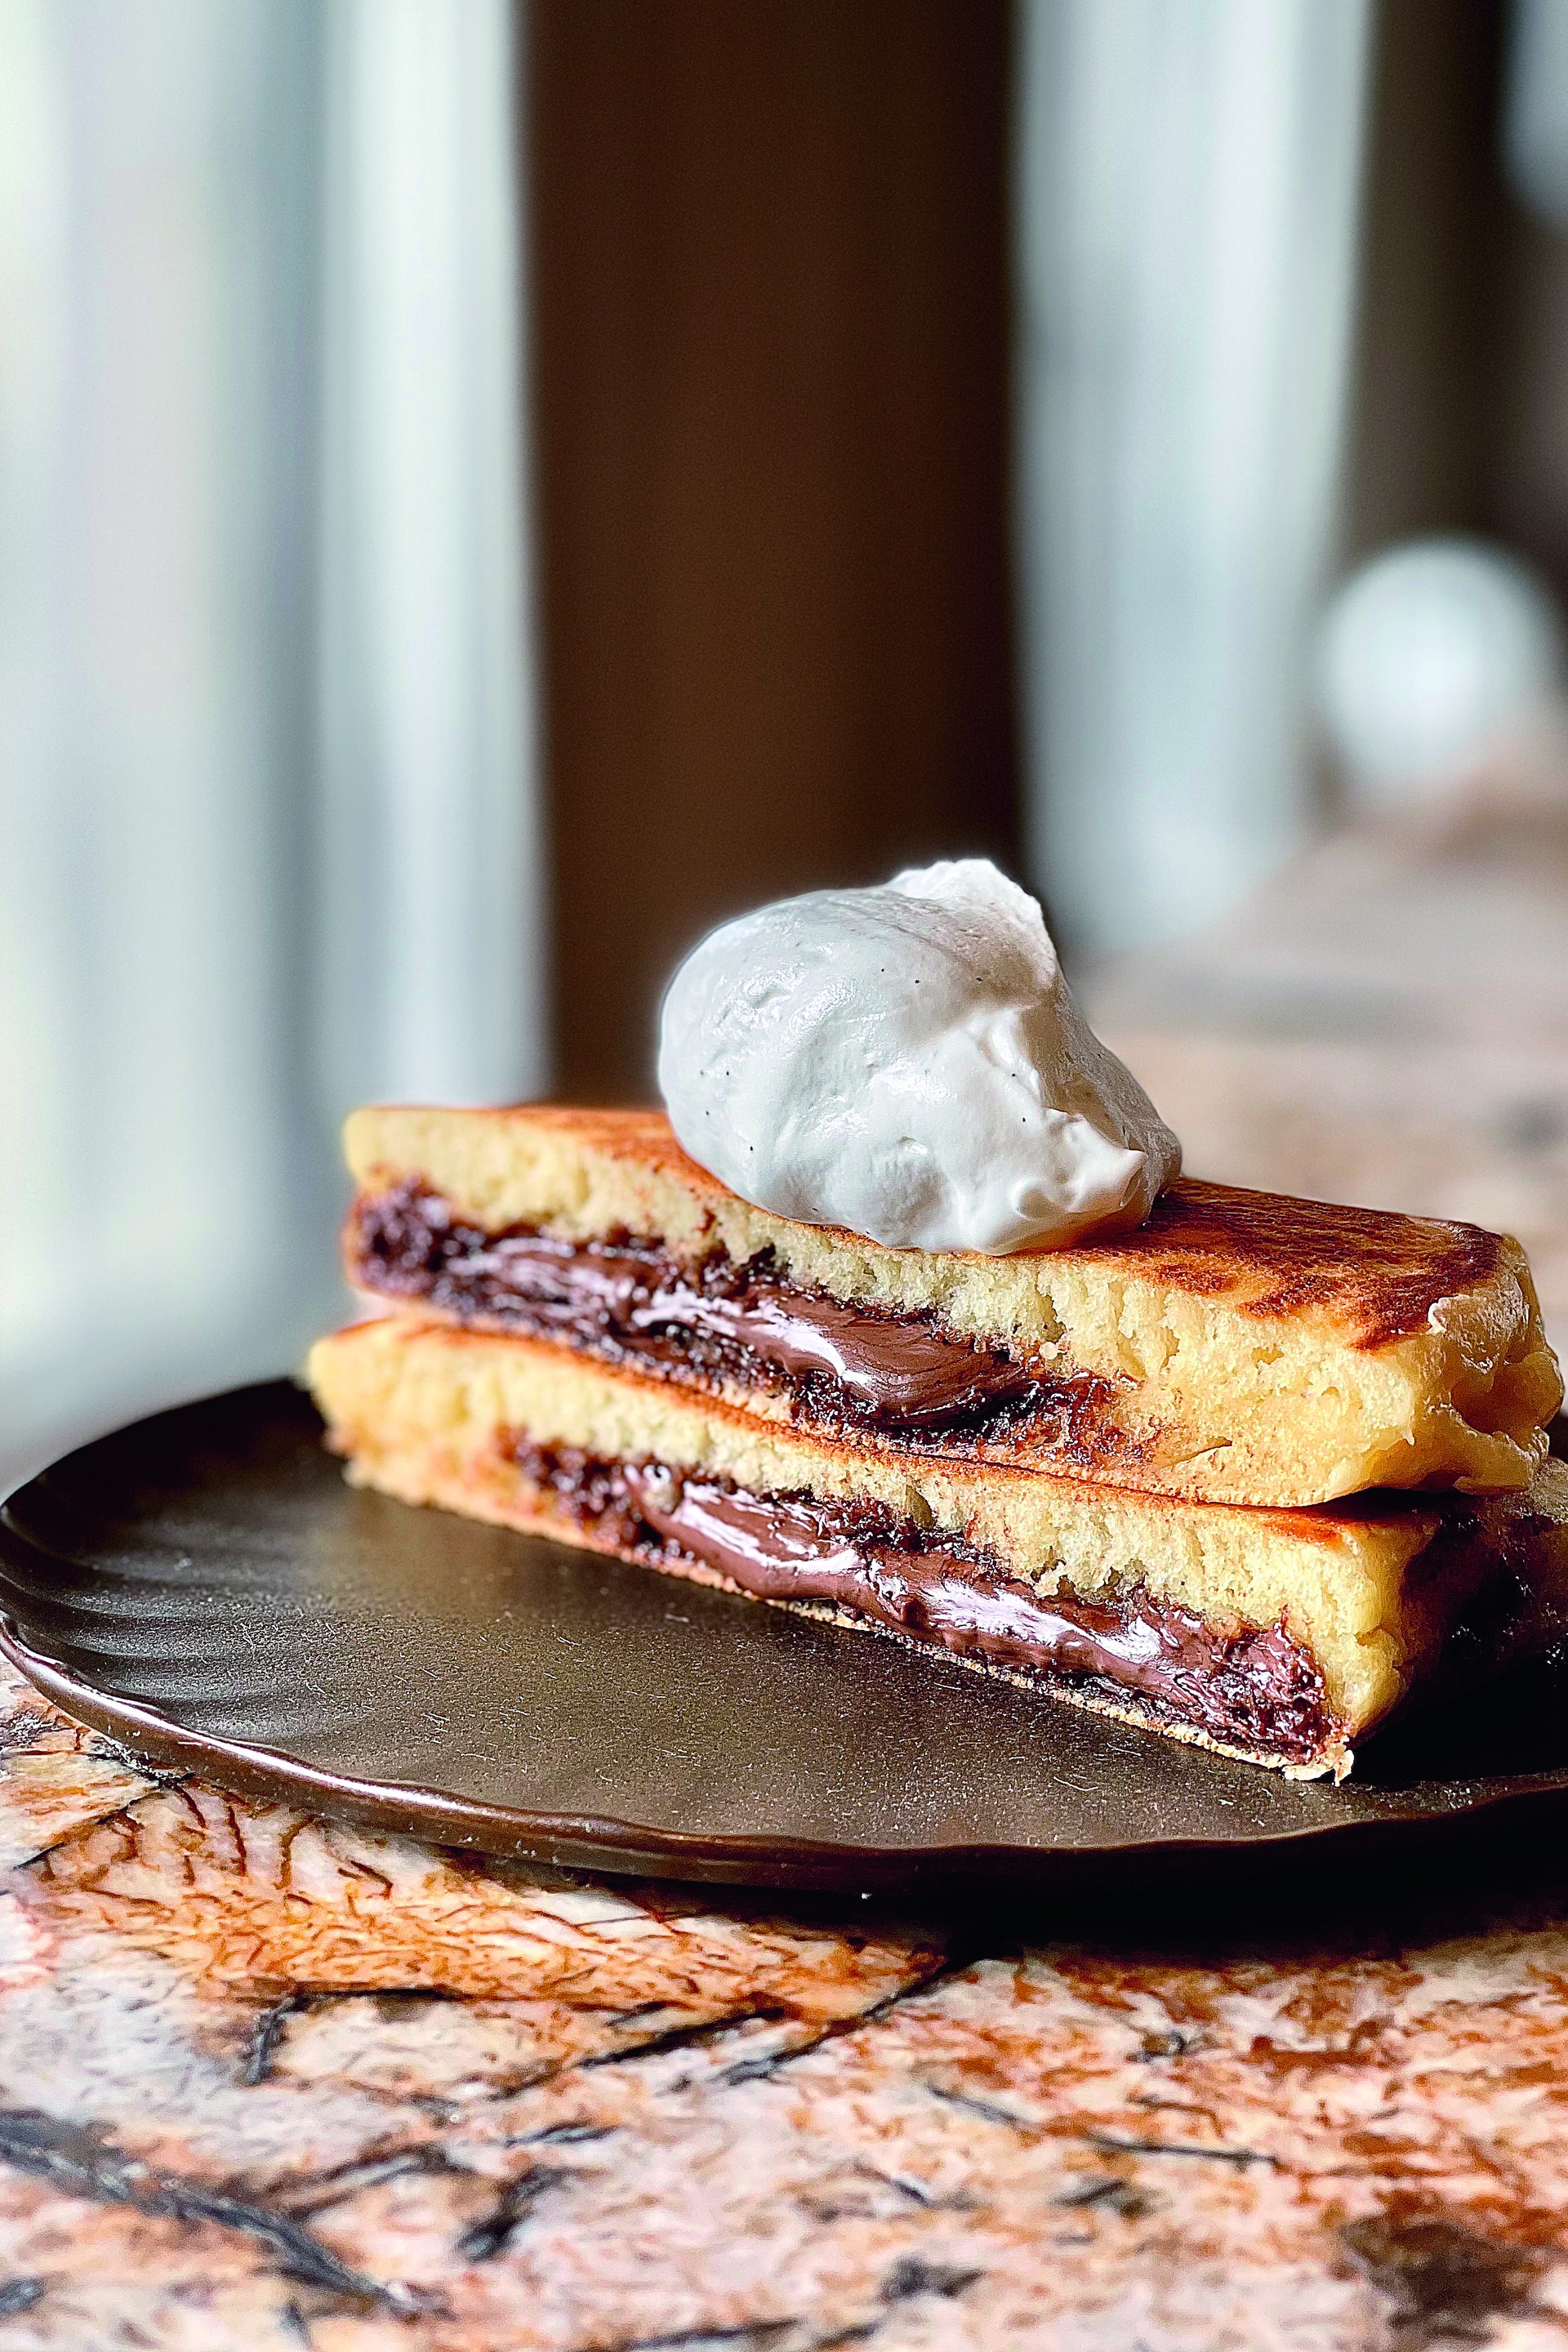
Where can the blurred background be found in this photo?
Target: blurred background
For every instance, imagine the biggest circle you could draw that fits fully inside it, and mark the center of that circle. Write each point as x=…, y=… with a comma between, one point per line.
x=487, y=490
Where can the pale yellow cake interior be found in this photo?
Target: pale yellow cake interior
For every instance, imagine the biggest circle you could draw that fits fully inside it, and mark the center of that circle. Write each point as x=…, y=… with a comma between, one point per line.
x=1214, y=1397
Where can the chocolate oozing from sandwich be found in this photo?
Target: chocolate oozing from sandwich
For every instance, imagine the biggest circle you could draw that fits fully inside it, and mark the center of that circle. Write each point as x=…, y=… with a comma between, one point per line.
x=632, y=1301
x=1255, y=1688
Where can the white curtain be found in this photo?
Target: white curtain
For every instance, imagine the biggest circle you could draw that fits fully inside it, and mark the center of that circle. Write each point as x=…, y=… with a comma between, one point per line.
x=1187, y=202
x=267, y=776
x=429, y=896
x=1535, y=107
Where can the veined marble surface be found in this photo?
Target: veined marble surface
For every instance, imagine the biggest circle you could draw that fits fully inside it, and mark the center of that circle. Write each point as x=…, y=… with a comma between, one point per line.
x=270, y=2083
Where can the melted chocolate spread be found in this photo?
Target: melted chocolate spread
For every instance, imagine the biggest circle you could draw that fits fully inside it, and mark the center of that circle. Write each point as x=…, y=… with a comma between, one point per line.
x=631, y=1300
x=1252, y=1688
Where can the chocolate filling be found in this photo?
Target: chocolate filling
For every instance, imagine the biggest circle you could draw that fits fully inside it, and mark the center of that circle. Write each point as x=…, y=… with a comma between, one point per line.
x=1252, y=1688
x=630, y=1300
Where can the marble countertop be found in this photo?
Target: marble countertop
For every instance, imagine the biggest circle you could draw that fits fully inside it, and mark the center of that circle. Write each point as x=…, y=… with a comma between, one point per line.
x=274, y=2082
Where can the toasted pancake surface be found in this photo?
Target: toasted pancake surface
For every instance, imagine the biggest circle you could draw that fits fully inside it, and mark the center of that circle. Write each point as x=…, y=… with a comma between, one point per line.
x=1239, y=1346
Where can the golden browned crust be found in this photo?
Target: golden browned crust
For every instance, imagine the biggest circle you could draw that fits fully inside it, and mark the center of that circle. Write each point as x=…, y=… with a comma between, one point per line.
x=1377, y=1274
x=1240, y=1346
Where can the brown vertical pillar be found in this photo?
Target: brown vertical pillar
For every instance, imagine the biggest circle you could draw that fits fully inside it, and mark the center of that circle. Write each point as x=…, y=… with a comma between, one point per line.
x=1435, y=266
x=770, y=321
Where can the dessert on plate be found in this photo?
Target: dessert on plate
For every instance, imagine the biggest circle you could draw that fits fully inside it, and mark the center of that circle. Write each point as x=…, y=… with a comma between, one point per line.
x=905, y=1313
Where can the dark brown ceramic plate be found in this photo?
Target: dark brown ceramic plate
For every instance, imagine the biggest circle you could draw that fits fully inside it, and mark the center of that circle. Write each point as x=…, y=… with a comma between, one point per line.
x=204, y=1587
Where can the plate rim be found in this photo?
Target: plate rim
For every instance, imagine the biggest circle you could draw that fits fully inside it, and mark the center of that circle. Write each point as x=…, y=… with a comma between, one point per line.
x=596, y=1843
x=603, y=1844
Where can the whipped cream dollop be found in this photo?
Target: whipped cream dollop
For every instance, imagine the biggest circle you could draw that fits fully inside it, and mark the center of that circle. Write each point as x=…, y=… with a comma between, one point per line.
x=908, y=1062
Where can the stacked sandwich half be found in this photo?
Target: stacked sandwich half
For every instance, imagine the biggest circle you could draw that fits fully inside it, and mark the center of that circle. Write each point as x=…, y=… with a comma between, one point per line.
x=1238, y=1476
